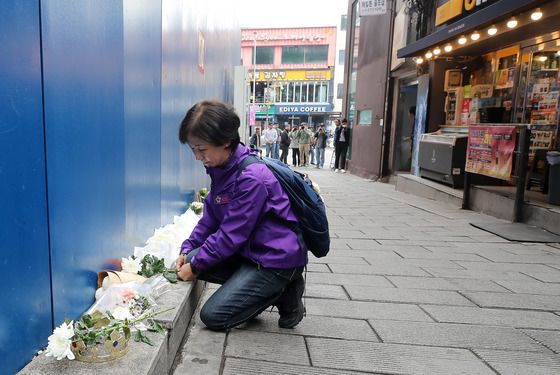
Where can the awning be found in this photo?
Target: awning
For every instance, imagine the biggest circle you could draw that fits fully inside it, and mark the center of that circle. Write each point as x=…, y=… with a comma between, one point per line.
x=492, y=14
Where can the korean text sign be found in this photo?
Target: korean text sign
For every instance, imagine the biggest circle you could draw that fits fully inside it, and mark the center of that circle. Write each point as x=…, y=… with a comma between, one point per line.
x=490, y=151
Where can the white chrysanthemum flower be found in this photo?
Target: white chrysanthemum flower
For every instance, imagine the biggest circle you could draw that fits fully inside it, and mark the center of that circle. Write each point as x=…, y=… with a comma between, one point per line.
x=131, y=265
x=60, y=342
x=197, y=207
x=122, y=313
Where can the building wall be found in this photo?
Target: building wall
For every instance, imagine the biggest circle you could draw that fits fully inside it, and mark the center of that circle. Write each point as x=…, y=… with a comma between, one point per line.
x=92, y=96
x=302, y=36
x=374, y=43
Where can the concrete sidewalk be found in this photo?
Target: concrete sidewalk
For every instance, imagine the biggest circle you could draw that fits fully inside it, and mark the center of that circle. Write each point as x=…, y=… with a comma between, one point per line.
x=408, y=288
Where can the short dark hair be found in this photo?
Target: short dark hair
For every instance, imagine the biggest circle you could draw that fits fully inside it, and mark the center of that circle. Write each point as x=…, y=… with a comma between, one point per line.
x=212, y=121
x=344, y=121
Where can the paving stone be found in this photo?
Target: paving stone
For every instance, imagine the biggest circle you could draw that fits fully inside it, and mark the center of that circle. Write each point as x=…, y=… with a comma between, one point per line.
x=519, y=267
x=391, y=263
x=317, y=267
x=515, y=301
x=531, y=288
x=317, y=326
x=520, y=363
x=371, y=254
x=438, y=283
x=346, y=279
x=337, y=243
x=512, y=258
x=267, y=346
x=350, y=234
x=365, y=310
x=477, y=274
x=438, y=297
x=379, y=270
x=547, y=277
x=426, y=254
x=393, y=358
x=495, y=317
x=237, y=366
x=364, y=244
x=550, y=339
x=337, y=259
x=325, y=291
x=454, y=335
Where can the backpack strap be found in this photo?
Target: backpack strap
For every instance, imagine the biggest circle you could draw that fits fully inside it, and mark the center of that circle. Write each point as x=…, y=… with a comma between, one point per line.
x=252, y=159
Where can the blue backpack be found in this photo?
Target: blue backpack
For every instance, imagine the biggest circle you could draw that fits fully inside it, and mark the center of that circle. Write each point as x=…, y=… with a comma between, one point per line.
x=312, y=227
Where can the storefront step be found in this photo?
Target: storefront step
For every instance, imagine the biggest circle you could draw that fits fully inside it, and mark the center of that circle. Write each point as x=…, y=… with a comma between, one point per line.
x=497, y=201
x=141, y=358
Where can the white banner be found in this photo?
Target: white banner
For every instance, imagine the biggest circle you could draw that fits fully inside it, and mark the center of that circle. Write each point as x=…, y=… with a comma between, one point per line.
x=372, y=7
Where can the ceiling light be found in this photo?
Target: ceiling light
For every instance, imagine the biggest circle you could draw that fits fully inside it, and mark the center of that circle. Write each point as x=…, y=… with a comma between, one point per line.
x=492, y=30
x=543, y=58
x=419, y=60
x=558, y=53
x=512, y=23
x=449, y=48
x=428, y=55
x=462, y=40
x=437, y=51
x=475, y=36
x=536, y=15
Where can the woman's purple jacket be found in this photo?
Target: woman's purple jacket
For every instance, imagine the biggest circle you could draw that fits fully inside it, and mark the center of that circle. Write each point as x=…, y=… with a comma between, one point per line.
x=241, y=216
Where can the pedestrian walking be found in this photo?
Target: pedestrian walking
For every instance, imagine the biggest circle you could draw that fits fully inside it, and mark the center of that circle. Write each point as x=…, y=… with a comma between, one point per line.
x=285, y=144
x=270, y=137
x=320, y=145
x=342, y=140
x=255, y=141
x=235, y=243
x=278, y=140
x=304, y=138
x=294, y=146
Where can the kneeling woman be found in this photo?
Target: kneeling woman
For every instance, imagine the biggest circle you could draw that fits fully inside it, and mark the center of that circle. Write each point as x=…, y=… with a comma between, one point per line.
x=243, y=240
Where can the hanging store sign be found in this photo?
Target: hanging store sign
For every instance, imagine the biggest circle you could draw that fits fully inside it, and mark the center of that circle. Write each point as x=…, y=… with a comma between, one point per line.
x=490, y=151
x=372, y=7
x=303, y=109
x=290, y=75
x=450, y=9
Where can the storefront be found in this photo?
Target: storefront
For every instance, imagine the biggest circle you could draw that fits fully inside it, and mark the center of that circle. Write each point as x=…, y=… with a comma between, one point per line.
x=488, y=62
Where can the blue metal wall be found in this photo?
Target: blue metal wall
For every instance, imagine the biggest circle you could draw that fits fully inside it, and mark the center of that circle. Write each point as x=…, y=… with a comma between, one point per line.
x=25, y=309
x=107, y=169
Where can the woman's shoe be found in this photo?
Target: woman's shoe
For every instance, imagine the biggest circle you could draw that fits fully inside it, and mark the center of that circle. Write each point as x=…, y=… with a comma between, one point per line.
x=290, y=304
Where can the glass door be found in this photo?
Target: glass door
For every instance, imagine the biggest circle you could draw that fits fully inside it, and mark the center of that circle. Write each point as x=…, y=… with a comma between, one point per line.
x=541, y=81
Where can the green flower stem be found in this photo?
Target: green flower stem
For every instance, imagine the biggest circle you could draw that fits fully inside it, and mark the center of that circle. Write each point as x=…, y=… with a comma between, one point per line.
x=106, y=331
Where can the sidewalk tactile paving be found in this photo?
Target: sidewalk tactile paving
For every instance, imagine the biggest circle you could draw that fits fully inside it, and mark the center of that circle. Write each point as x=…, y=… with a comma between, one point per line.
x=521, y=363
x=237, y=366
x=455, y=335
x=267, y=346
x=393, y=358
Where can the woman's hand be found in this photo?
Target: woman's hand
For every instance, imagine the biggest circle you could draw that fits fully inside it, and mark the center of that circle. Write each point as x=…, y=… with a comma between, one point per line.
x=180, y=261
x=185, y=272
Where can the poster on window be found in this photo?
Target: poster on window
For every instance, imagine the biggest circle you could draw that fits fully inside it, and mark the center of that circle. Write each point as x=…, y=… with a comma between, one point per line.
x=372, y=7
x=490, y=151
x=420, y=120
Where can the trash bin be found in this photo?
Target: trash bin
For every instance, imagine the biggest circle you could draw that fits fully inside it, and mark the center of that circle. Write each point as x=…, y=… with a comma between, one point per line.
x=553, y=158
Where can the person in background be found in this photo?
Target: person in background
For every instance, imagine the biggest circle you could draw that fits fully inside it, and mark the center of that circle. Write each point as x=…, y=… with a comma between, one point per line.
x=278, y=139
x=320, y=145
x=285, y=144
x=294, y=145
x=255, y=141
x=270, y=137
x=304, y=138
x=244, y=240
x=342, y=136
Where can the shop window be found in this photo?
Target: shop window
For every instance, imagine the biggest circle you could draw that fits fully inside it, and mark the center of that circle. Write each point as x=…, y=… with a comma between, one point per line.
x=316, y=54
x=264, y=55
x=343, y=22
x=297, y=95
x=293, y=55
x=339, y=90
x=304, y=92
x=305, y=54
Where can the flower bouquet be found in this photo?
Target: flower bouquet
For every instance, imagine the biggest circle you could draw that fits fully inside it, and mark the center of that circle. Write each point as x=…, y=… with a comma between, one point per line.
x=99, y=337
